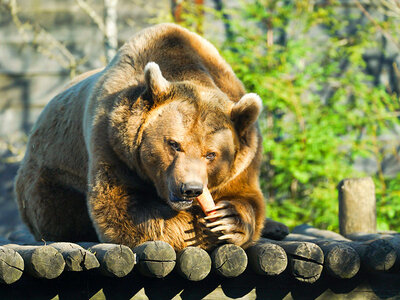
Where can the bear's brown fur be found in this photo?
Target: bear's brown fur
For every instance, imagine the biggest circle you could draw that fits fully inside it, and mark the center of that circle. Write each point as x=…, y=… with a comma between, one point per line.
x=121, y=154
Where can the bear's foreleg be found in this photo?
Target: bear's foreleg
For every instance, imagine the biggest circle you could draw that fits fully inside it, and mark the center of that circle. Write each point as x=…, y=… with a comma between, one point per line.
x=121, y=215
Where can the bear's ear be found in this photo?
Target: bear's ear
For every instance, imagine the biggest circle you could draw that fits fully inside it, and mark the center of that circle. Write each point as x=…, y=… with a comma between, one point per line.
x=155, y=81
x=245, y=112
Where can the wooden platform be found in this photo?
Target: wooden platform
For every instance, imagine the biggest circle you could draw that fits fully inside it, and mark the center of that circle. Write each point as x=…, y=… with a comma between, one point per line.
x=87, y=285
x=307, y=264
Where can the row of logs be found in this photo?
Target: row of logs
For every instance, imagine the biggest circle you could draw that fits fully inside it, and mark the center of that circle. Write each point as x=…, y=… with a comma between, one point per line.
x=303, y=254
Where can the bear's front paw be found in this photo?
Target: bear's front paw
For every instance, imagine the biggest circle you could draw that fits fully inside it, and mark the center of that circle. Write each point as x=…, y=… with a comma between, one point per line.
x=233, y=226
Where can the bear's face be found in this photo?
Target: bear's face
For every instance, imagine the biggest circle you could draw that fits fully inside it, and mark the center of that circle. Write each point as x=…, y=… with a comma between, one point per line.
x=184, y=150
x=191, y=137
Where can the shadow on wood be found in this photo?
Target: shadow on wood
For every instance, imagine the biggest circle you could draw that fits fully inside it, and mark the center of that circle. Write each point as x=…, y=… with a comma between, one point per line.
x=91, y=285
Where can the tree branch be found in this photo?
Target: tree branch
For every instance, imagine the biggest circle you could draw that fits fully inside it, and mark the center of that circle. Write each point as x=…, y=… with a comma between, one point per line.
x=379, y=27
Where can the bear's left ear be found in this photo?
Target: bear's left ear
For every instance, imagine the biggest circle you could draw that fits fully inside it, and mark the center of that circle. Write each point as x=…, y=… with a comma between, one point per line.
x=245, y=112
x=155, y=81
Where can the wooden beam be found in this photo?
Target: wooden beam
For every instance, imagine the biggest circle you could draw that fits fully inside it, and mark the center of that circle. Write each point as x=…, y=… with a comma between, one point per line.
x=357, y=206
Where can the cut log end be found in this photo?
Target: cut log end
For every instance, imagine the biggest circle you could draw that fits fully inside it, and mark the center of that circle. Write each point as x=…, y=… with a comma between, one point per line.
x=267, y=259
x=115, y=260
x=44, y=262
x=357, y=206
x=11, y=266
x=229, y=260
x=193, y=263
x=342, y=261
x=155, y=259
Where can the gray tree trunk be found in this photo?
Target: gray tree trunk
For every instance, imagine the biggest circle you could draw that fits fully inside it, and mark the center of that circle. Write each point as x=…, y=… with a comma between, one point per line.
x=111, y=31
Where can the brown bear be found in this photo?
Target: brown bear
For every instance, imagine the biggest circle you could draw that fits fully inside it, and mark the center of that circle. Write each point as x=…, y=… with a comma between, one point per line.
x=122, y=154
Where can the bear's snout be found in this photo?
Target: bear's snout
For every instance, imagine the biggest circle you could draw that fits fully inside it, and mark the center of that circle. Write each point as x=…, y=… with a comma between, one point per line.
x=191, y=189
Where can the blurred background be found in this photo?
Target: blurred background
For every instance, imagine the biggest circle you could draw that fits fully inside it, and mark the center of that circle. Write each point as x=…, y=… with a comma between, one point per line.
x=328, y=72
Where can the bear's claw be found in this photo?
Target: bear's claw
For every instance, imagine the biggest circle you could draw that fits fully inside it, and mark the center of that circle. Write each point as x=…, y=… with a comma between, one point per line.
x=228, y=223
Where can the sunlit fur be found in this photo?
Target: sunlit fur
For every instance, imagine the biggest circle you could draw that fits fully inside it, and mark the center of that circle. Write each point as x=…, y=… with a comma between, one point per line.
x=99, y=161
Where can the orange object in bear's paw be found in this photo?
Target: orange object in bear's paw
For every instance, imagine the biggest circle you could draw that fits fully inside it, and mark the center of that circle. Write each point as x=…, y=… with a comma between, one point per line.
x=207, y=203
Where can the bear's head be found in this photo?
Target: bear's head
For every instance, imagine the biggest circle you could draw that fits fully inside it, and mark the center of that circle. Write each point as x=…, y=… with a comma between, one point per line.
x=191, y=136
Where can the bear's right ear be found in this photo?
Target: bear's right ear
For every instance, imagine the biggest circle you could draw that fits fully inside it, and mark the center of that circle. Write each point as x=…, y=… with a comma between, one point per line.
x=245, y=112
x=157, y=85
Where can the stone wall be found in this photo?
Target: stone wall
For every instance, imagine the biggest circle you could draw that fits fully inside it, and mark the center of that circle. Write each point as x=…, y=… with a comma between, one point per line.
x=28, y=77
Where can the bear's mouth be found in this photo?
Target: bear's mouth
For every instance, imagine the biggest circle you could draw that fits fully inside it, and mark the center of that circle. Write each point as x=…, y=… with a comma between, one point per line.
x=178, y=203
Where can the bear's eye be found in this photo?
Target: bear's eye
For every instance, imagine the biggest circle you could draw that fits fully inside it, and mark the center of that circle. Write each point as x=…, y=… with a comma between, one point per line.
x=175, y=145
x=211, y=156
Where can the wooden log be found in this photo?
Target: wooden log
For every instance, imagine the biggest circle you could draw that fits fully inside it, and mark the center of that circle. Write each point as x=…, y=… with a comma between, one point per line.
x=267, y=259
x=229, y=260
x=155, y=258
x=394, y=240
x=305, y=259
x=297, y=237
x=11, y=265
x=40, y=261
x=376, y=256
x=318, y=233
x=76, y=257
x=85, y=285
x=365, y=237
x=340, y=260
x=115, y=260
x=357, y=206
x=193, y=263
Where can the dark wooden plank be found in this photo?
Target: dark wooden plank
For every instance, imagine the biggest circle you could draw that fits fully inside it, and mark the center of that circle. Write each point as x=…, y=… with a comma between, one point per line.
x=318, y=233
x=365, y=237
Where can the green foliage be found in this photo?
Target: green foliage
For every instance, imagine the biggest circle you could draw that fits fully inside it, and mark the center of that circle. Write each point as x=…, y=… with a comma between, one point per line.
x=321, y=110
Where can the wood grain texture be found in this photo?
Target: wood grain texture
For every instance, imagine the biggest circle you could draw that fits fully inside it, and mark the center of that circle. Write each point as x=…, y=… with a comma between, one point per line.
x=357, y=206
x=155, y=258
x=305, y=259
x=115, y=260
x=267, y=258
x=229, y=260
x=40, y=261
x=11, y=265
x=193, y=263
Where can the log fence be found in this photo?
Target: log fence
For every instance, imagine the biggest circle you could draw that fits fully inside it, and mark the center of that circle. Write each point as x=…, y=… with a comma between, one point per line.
x=306, y=264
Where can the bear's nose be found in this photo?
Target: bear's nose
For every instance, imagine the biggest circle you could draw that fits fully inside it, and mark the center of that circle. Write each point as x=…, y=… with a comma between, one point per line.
x=191, y=189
